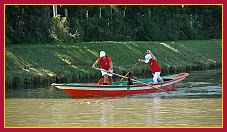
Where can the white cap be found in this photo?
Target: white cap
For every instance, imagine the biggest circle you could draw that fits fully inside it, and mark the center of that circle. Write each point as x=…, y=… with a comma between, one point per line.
x=147, y=58
x=102, y=53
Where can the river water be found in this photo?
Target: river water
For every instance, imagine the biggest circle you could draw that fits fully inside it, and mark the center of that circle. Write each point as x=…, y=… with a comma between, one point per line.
x=197, y=102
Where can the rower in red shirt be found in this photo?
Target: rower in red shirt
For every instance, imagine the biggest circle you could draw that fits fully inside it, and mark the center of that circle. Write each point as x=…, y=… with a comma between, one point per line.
x=105, y=63
x=154, y=66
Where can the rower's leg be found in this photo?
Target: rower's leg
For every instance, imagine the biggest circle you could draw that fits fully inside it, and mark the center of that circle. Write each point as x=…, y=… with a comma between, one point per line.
x=155, y=78
x=106, y=80
x=160, y=79
x=110, y=80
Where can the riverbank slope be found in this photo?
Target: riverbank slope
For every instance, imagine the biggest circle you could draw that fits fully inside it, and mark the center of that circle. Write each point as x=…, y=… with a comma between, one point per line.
x=42, y=64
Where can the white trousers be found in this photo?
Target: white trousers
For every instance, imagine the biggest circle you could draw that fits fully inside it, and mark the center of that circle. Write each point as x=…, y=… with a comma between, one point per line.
x=106, y=73
x=156, y=77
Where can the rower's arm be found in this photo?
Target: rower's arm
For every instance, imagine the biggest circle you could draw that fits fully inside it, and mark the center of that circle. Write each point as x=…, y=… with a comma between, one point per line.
x=141, y=60
x=153, y=57
x=94, y=65
x=111, y=66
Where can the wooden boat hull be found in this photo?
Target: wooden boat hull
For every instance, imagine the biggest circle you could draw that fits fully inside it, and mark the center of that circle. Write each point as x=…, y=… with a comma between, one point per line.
x=119, y=88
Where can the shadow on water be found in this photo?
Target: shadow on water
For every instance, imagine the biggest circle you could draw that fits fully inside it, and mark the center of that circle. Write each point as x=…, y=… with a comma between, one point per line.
x=199, y=84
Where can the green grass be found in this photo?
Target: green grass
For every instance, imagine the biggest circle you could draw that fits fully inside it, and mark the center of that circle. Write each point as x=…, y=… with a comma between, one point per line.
x=75, y=60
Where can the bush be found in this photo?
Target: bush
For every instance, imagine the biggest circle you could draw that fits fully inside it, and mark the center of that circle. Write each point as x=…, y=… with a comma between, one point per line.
x=59, y=31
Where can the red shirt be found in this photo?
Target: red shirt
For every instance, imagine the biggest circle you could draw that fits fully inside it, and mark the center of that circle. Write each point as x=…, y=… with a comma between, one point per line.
x=105, y=64
x=154, y=66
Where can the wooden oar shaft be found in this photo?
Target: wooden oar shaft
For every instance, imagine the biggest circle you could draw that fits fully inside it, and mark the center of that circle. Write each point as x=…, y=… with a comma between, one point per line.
x=130, y=70
x=133, y=80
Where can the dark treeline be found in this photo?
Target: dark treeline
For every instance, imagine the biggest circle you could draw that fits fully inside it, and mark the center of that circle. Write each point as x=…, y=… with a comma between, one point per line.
x=77, y=23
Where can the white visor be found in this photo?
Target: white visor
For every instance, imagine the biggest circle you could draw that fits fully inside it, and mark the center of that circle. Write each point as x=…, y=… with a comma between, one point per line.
x=147, y=58
x=102, y=53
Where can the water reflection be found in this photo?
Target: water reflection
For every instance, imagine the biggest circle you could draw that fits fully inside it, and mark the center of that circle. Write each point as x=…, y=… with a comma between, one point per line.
x=106, y=115
x=152, y=112
x=124, y=112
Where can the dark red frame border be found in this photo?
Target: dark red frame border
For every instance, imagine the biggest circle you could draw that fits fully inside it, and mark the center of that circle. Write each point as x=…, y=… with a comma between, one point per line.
x=90, y=2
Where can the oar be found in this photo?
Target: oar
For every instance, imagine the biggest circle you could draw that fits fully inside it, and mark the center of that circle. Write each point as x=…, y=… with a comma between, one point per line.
x=132, y=79
x=131, y=68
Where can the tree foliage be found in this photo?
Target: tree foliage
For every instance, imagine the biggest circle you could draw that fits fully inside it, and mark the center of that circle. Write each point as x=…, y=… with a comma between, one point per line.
x=36, y=24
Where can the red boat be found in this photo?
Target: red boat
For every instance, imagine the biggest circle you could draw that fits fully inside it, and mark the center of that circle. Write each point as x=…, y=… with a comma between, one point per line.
x=121, y=88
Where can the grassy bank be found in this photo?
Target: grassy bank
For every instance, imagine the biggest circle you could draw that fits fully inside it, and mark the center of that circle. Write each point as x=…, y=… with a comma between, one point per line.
x=43, y=64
